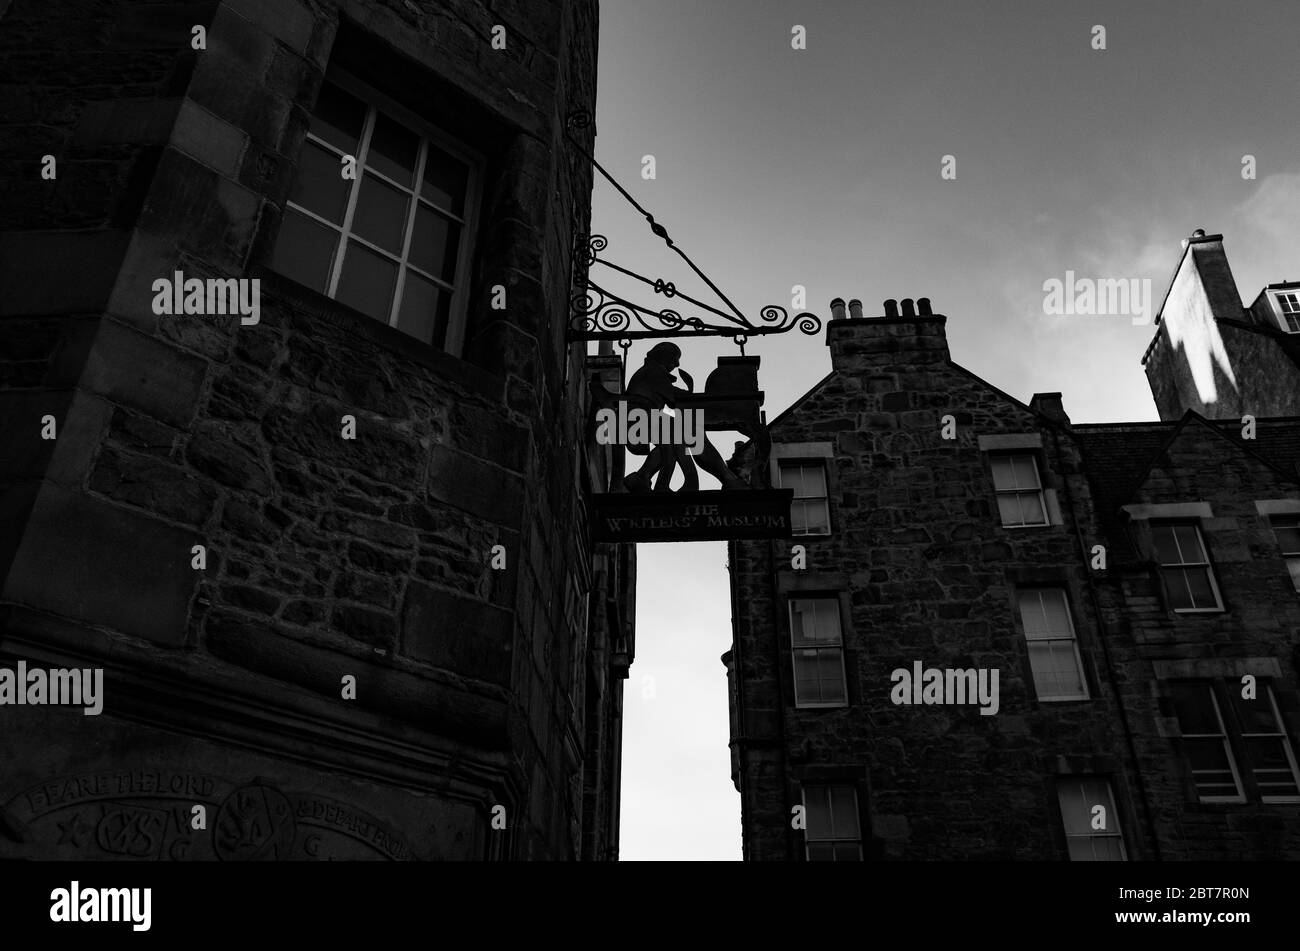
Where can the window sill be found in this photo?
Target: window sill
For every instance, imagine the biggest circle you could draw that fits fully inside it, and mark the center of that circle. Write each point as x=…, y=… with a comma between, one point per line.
x=821, y=706
x=303, y=301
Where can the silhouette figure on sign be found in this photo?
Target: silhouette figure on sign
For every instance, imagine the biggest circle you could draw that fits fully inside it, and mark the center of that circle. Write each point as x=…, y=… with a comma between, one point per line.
x=651, y=389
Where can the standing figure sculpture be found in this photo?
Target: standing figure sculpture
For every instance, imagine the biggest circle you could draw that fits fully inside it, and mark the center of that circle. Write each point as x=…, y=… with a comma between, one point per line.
x=651, y=389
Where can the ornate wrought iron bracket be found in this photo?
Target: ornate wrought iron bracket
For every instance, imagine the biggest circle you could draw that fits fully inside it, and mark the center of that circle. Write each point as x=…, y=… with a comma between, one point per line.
x=597, y=313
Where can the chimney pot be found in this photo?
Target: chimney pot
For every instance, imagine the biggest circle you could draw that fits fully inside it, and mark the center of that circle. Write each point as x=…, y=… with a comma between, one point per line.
x=923, y=306
x=891, y=308
x=855, y=308
x=837, y=308
x=909, y=309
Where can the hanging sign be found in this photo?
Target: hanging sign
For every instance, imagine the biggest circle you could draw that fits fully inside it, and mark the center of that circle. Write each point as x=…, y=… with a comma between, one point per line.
x=692, y=516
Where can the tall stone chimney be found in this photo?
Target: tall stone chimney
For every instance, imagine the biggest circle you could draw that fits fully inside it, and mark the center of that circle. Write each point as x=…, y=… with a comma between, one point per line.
x=864, y=344
x=1210, y=354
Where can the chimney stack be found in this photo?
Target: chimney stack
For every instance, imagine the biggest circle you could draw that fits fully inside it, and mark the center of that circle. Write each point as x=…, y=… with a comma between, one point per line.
x=1049, y=405
x=893, y=342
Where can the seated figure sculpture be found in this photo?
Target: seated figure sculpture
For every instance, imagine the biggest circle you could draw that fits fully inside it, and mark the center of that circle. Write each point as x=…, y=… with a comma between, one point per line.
x=652, y=388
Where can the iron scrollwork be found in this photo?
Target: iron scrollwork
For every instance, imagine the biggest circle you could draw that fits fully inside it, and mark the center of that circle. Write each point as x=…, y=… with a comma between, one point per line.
x=596, y=313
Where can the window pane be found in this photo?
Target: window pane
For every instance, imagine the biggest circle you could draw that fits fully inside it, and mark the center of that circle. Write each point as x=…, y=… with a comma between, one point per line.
x=1074, y=811
x=1198, y=584
x=1189, y=543
x=380, y=216
x=1180, y=596
x=814, y=481
x=799, y=518
x=318, y=184
x=444, y=181
x=1293, y=566
x=424, y=310
x=1055, y=669
x=338, y=118
x=392, y=150
x=1166, y=546
x=1193, y=706
x=1107, y=848
x=821, y=852
x=817, y=820
x=1026, y=474
x=1002, y=472
x=1058, y=615
x=304, y=250
x=367, y=282
x=1272, y=767
x=816, y=517
x=1209, y=756
x=847, y=852
x=832, y=675
x=1255, y=716
x=1031, y=509
x=1287, y=531
x=807, y=687
x=844, y=812
x=828, y=620
x=1033, y=614
x=434, y=244
x=1009, y=510
x=815, y=621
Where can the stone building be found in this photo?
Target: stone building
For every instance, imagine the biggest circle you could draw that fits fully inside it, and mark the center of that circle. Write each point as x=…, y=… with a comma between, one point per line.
x=293, y=436
x=1135, y=587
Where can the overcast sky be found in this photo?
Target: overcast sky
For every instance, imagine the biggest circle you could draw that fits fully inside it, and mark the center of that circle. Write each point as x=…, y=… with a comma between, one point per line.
x=821, y=167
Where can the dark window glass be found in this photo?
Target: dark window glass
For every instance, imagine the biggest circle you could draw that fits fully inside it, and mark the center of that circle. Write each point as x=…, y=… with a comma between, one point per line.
x=304, y=250
x=367, y=281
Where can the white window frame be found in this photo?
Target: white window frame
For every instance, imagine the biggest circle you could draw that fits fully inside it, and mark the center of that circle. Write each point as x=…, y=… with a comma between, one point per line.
x=1185, y=565
x=1286, y=300
x=1072, y=639
x=1222, y=735
x=808, y=836
x=1112, y=814
x=1281, y=735
x=1291, y=557
x=792, y=597
x=825, y=499
x=1018, y=490
x=376, y=102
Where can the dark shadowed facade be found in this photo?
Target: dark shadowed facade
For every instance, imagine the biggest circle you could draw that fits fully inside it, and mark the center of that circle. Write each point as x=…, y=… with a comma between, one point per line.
x=1136, y=587
x=329, y=552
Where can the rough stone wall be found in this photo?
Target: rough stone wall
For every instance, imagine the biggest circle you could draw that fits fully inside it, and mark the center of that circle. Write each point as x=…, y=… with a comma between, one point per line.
x=325, y=557
x=924, y=571
x=1258, y=632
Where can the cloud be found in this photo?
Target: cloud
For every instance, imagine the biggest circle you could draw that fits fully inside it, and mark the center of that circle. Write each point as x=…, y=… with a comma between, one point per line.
x=1274, y=208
